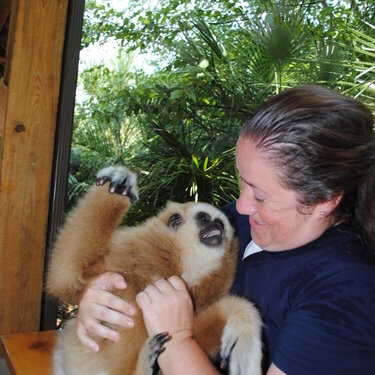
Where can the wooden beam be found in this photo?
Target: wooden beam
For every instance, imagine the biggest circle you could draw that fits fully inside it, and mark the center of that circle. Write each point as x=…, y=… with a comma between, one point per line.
x=3, y=103
x=4, y=11
x=63, y=141
x=26, y=160
x=10, y=38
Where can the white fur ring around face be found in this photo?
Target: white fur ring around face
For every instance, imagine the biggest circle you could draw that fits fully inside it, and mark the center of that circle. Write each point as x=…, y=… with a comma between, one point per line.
x=122, y=181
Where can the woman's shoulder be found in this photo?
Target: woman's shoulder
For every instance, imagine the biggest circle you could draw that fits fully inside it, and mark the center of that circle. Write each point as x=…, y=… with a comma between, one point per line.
x=333, y=267
x=340, y=249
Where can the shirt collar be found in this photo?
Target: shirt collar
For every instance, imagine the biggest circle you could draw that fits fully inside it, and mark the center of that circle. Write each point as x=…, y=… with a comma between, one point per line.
x=251, y=248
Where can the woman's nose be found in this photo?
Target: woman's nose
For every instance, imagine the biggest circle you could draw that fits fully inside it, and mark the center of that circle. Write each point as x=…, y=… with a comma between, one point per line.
x=245, y=206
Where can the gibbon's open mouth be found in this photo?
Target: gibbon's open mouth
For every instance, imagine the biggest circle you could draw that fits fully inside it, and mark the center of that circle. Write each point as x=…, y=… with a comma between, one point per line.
x=211, y=236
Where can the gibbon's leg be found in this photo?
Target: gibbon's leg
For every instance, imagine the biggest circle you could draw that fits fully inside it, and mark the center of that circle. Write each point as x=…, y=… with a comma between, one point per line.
x=84, y=239
x=147, y=359
x=232, y=327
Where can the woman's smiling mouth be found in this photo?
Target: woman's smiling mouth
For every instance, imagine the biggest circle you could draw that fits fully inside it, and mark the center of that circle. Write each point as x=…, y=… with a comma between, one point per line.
x=256, y=223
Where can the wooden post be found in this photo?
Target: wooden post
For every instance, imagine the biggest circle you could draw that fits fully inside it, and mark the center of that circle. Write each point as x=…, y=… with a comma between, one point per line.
x=3, y=102
x=26, y=159
x=63, y=141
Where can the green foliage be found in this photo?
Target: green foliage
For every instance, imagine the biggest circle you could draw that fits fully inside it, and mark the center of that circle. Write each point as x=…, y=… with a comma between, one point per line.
x=217, y=62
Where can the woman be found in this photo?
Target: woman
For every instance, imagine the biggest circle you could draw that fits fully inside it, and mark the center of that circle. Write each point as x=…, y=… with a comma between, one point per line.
x=306, y=224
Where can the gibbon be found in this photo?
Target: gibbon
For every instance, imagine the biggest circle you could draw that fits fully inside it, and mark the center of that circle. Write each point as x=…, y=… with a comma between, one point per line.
x=192, y=240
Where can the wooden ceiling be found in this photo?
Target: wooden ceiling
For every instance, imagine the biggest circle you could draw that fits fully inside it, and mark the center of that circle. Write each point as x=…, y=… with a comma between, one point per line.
x=5, y=6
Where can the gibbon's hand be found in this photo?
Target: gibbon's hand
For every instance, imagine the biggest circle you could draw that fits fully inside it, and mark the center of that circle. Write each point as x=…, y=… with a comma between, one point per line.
x=97, y=304
x=167, y=307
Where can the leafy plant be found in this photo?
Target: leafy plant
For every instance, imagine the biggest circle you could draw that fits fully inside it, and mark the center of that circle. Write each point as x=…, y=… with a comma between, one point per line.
x=216, y=63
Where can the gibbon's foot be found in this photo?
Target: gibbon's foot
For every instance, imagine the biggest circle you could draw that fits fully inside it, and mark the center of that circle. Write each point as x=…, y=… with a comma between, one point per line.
x=156, y=348
x=121, y=181
x=225, y=357
x=241, y=349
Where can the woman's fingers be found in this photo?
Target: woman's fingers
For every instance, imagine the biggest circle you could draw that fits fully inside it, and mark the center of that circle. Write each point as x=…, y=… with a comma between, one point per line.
x=166, y=307
x=85, y=338
x=110, y=281
x=98, y=308
x=177, y=283
x=111, y=316
x=154, y=292
x=107, y=299
x=166, y=286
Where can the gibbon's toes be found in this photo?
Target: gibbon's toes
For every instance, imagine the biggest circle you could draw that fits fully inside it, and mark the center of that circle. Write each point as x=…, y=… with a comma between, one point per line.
x=241, y=348
x=156, y=348
x=225, y=357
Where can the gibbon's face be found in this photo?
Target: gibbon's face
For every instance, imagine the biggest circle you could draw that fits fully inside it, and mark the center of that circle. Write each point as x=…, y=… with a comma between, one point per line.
x=203, y=234
x=210, y=230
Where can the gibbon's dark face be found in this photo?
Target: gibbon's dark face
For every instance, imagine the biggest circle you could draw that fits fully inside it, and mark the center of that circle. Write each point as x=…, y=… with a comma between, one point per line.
x=211, y=231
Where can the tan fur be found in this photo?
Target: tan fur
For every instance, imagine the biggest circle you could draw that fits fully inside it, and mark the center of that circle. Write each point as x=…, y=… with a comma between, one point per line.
x=91, y=243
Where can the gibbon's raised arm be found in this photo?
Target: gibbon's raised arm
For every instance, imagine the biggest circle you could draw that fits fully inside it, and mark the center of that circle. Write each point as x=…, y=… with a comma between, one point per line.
x=83, y=242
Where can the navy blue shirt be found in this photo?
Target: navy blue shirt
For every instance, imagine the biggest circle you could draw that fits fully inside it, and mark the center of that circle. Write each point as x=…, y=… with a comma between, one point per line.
x=317, y=302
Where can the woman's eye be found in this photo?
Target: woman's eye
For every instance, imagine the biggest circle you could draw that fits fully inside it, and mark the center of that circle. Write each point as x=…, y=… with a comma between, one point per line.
x=260, y=200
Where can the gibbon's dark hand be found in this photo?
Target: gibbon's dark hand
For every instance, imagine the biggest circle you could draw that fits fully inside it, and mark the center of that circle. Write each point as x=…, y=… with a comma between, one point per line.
x=167, y=307
x=97, y=304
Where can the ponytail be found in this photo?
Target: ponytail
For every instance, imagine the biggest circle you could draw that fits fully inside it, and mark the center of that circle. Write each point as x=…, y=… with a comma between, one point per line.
x=365, y=211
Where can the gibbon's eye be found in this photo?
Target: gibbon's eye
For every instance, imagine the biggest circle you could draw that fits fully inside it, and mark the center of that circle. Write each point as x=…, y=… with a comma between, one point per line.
x=175, y=221
x=203, y=217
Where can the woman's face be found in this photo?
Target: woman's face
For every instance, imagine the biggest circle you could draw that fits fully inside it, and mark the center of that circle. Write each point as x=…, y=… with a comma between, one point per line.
x=278, y=221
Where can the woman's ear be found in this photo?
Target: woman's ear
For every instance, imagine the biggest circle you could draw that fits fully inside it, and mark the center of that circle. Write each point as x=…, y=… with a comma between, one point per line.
x=326, y=208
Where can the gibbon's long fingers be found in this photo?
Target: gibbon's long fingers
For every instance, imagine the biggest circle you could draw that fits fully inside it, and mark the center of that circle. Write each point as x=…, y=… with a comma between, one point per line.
x=156, y=348
x=147, y=363
x=122, y=188
x=116, y=186
x=100, y=181
x=122, y=181
x=119, y=187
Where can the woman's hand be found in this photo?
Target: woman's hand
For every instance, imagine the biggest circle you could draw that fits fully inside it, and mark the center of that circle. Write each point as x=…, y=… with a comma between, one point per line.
x=167, y=307
x=97, y=304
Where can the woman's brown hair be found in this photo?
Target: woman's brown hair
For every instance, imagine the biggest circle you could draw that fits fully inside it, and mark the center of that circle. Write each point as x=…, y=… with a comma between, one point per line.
x=323, y=144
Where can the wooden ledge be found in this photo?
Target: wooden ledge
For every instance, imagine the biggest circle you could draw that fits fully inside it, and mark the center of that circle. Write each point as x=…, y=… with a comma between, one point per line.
x=29, y=353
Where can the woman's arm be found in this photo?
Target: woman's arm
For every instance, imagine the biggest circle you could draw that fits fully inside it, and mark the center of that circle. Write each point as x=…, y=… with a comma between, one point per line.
x=185, y=357
x=167, y=307
x=97, y=304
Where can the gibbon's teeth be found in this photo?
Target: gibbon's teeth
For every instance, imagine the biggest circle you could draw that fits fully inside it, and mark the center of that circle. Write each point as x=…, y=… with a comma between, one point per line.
x=212, y=233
